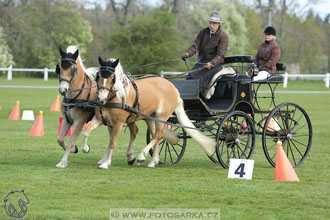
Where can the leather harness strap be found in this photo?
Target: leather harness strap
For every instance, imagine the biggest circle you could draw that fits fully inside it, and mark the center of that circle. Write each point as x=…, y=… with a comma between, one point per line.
x=122, y=105
x=79, y=103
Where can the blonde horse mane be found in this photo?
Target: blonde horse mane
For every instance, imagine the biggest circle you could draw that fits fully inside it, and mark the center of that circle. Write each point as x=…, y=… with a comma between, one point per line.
x=122, y=82
x=90, y=71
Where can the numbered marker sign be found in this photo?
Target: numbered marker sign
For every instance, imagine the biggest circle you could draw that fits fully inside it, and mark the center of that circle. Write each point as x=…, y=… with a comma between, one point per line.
x=239, y=168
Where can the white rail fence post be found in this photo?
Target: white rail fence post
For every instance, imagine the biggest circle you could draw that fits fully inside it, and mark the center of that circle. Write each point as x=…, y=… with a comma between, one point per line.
x=285, y=82
x=46, y=74
x=10, y=73
x=327, y=79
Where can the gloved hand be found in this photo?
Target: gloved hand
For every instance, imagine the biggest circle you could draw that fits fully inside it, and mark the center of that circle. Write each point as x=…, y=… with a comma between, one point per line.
x=208, y=66
x=184, y=55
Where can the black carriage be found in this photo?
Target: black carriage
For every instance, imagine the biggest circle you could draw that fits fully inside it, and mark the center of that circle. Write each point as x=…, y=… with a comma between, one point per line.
x=237, y=114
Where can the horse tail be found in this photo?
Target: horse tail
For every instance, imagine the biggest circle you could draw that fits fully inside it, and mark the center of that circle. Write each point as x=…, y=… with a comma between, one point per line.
x=207, y=143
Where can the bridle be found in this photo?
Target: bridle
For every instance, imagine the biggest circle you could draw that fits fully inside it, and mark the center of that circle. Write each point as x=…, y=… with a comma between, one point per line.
x=66, y=63
x=105, y=72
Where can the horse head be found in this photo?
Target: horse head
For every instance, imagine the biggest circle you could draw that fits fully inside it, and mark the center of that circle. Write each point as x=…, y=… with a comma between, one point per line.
x=106, y=78
x=66, y=69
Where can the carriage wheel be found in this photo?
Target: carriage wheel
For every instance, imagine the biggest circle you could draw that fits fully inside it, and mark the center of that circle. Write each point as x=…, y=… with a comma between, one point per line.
x=235, y=138
x=170, y=153
x=290, y=124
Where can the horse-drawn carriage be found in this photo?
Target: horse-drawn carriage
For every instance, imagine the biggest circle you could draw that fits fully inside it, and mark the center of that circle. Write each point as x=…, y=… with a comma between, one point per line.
x=225, y=125
x=237, y=114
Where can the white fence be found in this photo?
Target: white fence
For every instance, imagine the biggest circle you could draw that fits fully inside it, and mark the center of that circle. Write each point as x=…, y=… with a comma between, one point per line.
x=324, y=77
x=10, y=71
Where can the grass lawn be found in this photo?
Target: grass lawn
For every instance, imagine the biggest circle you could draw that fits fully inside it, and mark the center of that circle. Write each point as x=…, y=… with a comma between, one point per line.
x=82, y=191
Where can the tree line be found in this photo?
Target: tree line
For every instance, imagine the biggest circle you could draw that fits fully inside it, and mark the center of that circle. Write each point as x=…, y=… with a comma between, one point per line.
x=141, y=32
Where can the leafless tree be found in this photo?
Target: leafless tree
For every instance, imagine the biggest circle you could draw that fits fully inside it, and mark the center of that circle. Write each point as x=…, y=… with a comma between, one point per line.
x=123, y=10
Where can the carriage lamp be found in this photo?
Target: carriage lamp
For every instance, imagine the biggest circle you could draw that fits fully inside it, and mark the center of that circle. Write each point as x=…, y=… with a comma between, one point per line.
x=253, y=70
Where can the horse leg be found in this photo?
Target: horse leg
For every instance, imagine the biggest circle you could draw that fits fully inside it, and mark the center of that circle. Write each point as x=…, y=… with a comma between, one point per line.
x=142, y=156
x=158, y=136
x=64, y=130
x=95, y=123
x=70, y=145
x=114, y=133
x=129, y=153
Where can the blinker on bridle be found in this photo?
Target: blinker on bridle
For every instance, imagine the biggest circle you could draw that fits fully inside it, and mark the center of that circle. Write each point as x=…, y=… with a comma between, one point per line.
x=66, y=63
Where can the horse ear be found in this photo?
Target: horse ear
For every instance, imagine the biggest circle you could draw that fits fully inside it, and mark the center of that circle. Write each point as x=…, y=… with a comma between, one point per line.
x=116, y=62
x=75, y=55
x=63, y=54
x=101, y=62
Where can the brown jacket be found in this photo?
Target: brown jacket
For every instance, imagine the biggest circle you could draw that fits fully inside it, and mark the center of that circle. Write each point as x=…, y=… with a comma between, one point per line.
x=268, y=55
x=210, y=47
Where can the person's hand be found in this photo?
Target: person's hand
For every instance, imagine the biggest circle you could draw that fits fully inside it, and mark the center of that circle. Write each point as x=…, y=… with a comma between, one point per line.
x=185, y=55
x=208, y=66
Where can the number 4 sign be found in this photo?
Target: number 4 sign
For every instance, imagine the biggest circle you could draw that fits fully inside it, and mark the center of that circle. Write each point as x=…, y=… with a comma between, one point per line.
x=239, y=168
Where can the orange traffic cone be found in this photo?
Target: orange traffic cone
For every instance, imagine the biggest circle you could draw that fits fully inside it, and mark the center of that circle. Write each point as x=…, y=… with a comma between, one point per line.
x=283, y=168
x=38, y=127
x=272, y=125
x=15, y=113
x=59, y=128
x=56, y=107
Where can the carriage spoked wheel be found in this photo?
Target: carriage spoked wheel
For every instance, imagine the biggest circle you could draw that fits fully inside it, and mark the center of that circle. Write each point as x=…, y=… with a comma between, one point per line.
x=235, y=138
x=170, y=152
x=288, y=123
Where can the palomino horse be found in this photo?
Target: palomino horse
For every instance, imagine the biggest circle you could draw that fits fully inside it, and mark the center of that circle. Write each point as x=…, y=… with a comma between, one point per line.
x=157, y=97
x=78, y=86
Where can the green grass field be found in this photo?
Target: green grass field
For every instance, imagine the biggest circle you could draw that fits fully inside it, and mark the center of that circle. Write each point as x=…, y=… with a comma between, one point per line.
x=82, y=191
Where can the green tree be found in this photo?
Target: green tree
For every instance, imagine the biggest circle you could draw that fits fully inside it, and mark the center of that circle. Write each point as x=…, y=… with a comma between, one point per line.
x=51, y=27
x=304, y=40
x=234, y=24
x=254, y=31
x=147, y=39
x=6, y=58
x=36, y=33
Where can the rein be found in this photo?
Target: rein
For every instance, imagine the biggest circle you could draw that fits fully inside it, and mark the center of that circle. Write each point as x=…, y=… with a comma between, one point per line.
x=150, y=64
x=138, y=113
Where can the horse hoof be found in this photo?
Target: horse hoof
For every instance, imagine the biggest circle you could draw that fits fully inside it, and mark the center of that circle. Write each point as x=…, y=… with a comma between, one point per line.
x=103, y=166
x=61, y=165
x=75, y=149
x=131, y=162
x=140, y=162
x=89, y=149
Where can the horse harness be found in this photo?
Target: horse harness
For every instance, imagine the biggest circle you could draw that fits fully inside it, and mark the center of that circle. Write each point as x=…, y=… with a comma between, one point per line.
x=132, y=109
x=106, y=72
x=84, y=104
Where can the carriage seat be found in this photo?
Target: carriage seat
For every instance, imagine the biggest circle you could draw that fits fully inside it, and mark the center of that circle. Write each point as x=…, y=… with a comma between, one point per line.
x=222, y=77
x=276, y=78
x=280, y=66
x=239, y=59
